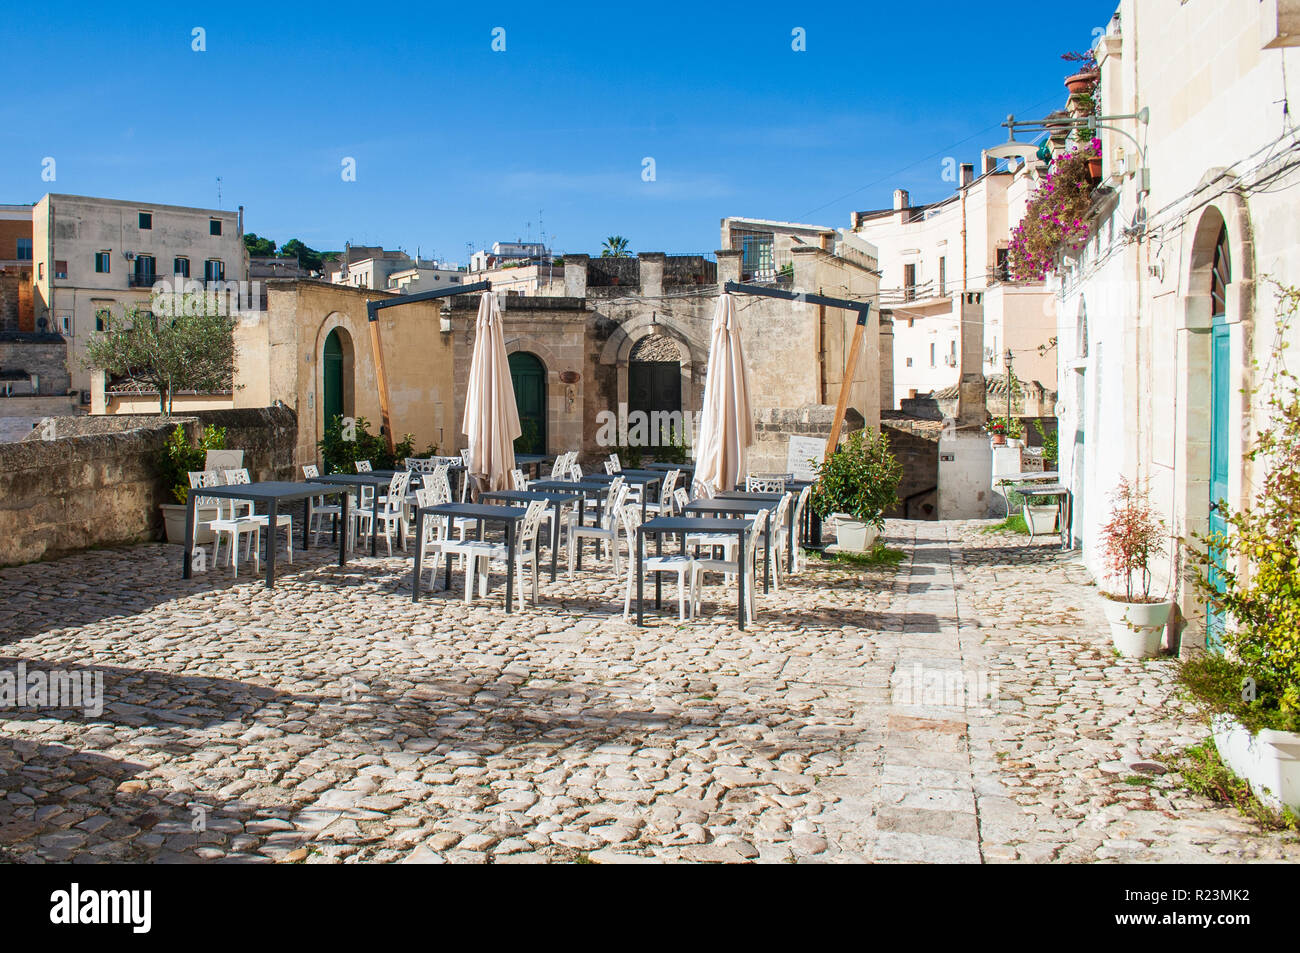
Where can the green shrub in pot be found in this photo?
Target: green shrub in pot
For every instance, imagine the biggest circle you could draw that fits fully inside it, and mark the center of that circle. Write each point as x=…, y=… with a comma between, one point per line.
x=859, y=480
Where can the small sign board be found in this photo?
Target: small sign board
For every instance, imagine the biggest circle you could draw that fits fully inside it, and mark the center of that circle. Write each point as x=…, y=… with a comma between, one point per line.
x=802, y=454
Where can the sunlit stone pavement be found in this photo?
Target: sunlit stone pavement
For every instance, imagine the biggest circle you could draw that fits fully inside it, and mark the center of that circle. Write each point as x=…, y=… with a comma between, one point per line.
x=332, y=719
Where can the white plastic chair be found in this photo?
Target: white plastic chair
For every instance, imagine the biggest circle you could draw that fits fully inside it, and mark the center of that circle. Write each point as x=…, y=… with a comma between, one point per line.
x=319, y=508
x=229, y=524
x=614, y=465
x=764, y=483
x=796, y=565
x=436, y=541
x=391, y=512
x=282, y=520
x=481, y=554
x=665, y=505
x=780, y=536
x=363, y=466
x=605, y=531
x=684, y=567
x=730, y=567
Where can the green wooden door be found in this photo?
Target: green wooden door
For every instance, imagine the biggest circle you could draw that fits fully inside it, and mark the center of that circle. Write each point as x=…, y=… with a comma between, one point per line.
x=529, y=379
x=1220, y=398
x=332, y=366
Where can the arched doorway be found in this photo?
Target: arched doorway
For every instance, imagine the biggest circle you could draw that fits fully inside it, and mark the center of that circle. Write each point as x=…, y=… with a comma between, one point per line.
x=654, y=382
x=1220, y=410
x=332, y=400
x=528, y=375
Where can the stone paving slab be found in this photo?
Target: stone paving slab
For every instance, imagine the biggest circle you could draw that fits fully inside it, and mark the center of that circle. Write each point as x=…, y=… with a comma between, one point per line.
x=331, y=720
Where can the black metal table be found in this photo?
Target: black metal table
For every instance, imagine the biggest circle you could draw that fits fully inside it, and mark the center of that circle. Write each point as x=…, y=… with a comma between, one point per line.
x=557, y=501
x=370, y=478
x=1032, y=491
x=681, y=525
x=734, y=507
x=772, y=498
x=643, y=478
x=510, y=516
x=270, y=492
x=534, y=460
x=665, y=467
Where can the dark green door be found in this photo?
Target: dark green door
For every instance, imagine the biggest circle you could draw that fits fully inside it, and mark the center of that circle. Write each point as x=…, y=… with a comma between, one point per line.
x=332, y=401
x=529, y=379
x=1220, y=396
x=654, y=385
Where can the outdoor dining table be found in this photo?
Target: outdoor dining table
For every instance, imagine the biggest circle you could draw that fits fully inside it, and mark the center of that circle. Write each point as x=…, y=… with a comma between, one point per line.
x=661, y=526
x=375, y=478
x=745, y=507
x=643, y=478
x=557, y=501
x=533, y=460
x=585, y=488
x=1005, y=482
x=509, y=516
x=270, y=492
x=1032, y=491
x=665, y=467
x=772, y=498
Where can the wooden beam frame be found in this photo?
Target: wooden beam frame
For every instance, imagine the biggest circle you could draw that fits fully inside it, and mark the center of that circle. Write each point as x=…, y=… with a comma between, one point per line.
x=863, y=309
x=376, y=346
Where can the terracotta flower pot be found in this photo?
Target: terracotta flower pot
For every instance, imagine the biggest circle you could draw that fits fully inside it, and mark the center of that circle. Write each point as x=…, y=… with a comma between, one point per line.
x=1082, y=82
x=999, y=440
x=1094, y=168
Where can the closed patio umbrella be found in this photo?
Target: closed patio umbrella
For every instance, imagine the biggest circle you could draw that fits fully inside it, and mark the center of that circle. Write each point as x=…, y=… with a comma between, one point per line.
x=491, y=417
x=726, y=429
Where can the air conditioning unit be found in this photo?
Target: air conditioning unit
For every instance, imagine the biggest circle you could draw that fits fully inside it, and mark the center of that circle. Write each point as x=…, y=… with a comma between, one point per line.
x=129, y=255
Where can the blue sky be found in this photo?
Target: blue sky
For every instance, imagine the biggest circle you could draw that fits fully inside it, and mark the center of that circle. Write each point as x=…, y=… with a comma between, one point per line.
x=456, y=143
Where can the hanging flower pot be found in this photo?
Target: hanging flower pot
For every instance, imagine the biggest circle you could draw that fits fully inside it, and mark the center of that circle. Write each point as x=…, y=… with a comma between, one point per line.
x=1094, y=169
x=1082, y=82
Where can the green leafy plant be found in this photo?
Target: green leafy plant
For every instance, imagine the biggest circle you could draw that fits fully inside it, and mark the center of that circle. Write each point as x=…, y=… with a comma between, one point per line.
x=860, y=478
x=1013, y=427
x=1251, y=571
x=1050, y=443
x=1130, y=538
x=345, y=442
x=178, y=458
x=672, y=445
x=615, y=247
x=1202, y=771
x=1056, y=215
x=530, y=437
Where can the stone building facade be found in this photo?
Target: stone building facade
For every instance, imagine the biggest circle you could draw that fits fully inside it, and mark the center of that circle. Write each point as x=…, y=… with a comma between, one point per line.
x=638, y=338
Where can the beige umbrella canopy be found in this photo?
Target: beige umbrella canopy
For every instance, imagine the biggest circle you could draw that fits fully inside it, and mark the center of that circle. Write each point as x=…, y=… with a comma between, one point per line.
x=726, y=429
x=491, y=417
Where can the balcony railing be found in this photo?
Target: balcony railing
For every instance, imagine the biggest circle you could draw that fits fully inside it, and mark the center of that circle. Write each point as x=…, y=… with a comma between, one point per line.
x=140, y=280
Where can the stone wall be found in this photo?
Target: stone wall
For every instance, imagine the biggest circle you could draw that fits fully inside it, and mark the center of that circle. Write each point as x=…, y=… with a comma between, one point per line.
x=773, y=428
x=96, y=483
x=16, y=309
x=45, y=355
x=917, y=449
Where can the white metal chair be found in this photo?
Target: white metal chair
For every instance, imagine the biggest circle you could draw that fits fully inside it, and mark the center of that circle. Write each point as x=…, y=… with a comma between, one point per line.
x=391, y=511
x=319, y=508
x=282, y=520
x=684, y=567
x=605, y=531
x=730, y=567
x=481, y=554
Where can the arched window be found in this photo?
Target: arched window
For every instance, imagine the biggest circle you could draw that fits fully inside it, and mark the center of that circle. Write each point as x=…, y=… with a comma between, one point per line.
x=1220, y=276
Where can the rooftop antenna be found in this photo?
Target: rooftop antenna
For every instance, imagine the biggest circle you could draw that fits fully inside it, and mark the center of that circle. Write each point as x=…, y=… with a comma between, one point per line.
x=218, y=191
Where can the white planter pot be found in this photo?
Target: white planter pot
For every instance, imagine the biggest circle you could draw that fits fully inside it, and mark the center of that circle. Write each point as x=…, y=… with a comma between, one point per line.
x=1041, y=520
x=1015, y=442
x=1136, y=628
x=174, y=522
x=1269, y=760
x=854, y=536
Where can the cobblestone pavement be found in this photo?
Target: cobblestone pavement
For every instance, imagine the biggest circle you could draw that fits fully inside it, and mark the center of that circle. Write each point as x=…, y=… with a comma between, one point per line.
x=332, y=719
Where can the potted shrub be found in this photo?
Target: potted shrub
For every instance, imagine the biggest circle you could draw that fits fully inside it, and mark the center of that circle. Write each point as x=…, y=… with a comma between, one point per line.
x=1250, y=573
x=177, y=459
x=855, y=486
x=1131, y=536
x=998, y=431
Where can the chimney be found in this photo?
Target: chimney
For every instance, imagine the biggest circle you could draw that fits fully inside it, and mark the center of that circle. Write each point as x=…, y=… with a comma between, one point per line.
x=901, y=199
x=990, y=162
x=967, y=174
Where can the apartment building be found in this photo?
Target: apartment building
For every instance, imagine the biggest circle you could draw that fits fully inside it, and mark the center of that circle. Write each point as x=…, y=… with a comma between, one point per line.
x=16, y=311
x=96, y=256
x=503, y=252
x=930, y=254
